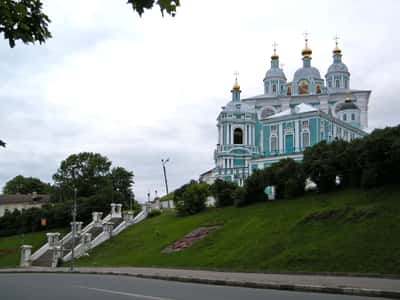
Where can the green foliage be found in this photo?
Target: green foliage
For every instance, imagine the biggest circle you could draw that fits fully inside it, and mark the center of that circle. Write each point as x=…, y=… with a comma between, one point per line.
x=239, y=196
x=122, y=181
x=86, y=171
x=286, y=175
x=223, y=192
x=168, y=6
x=154, y=213
x=191, y=198
x=23, y=21
x=25, y=185
x=319, y=165
x=168, y=197
x=368, y=162
x=352, y=230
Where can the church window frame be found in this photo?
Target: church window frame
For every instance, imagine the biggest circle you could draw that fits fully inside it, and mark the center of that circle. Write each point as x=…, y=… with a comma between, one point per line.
x=337, y=83
x=305, y=138
x=273, y=143
x=346, y=83
x=344, y=117
x=238, y=136
x=353, y=116
x=304, y=124
x=274, y=88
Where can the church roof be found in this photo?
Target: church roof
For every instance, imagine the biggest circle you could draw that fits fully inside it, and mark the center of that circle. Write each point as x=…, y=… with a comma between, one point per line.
x=298, y=109
x=239, y=107
x=306, y=72
x=337, y=67
x=275, y=73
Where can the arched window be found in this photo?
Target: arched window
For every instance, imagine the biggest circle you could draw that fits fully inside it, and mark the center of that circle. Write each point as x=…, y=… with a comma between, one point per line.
x=274, y=88
x=238, y=136
x=346, y=83
x=337, y=83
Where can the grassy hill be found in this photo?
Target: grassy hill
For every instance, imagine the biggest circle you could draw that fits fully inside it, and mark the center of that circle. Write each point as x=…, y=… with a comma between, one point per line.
x=346, y=231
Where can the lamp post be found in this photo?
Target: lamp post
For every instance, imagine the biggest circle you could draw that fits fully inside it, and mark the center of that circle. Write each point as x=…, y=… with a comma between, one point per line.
x=73, y=230
x=163, y=162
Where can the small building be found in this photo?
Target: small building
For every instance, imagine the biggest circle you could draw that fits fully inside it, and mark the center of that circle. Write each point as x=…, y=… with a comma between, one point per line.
x=20, y=202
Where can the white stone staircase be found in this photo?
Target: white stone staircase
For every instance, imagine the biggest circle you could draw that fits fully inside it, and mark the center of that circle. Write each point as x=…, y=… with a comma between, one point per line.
x=95, y=233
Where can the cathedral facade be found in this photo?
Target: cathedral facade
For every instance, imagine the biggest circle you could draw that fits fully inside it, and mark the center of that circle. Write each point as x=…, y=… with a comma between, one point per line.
x=287, y=118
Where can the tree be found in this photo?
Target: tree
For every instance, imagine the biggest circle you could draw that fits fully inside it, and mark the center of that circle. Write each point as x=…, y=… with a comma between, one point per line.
x=191, y=198
x=88, y=172
x=223, y=192
x=25, y=185
x=320, y=165
x=122, y=181
x=24, y=20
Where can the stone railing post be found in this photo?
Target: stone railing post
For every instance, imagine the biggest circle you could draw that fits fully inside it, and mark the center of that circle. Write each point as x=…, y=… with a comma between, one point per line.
x=57, y=254
x=108, y=228
x=130, y=216
x=85, y=241
x=78, y=228
x=26, y=251
x=53, y=239
x=96, y=217
x=113, y=212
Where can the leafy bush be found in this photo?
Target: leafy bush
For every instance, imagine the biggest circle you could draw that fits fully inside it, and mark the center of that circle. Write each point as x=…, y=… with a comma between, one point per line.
x=223, y=192
x=239, y=196
x=154, y=213
x=191, y=198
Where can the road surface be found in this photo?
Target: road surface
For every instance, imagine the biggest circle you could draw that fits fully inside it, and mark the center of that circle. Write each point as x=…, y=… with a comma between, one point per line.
x=106, y=287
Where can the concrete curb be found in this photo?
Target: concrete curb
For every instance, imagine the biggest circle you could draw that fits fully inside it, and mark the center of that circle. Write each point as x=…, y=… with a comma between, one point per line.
x=246, y=284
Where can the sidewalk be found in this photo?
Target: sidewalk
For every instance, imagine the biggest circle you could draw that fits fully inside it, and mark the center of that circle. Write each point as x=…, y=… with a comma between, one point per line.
x=361, y=286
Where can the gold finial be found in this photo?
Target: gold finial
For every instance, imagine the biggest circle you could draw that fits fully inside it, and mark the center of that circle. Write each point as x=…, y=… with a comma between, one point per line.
x=275, y=56
x=236, y=86
x=337, y=49
x=306, y=51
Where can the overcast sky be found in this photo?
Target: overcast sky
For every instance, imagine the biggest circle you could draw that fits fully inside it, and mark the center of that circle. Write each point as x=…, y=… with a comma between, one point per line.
x=141, y=89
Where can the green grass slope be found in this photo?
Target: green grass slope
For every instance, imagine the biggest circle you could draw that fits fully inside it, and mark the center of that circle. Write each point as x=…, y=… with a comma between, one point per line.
x=346, y=231
x=10, y=246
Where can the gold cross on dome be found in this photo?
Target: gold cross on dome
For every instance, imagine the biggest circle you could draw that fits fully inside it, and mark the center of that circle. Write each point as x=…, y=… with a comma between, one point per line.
x=306, y=34
x=274, y=45
x=236, y=73
x=336, y=38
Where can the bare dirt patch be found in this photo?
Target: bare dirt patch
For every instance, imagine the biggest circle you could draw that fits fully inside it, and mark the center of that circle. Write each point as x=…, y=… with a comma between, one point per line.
x=189, y=239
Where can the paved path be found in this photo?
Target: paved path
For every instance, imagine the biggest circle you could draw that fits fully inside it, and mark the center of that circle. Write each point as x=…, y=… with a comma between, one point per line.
x=106, y=287
x=364, y=286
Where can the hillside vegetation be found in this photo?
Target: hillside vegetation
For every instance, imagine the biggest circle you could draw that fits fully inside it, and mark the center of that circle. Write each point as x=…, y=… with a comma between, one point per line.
x=350, y=230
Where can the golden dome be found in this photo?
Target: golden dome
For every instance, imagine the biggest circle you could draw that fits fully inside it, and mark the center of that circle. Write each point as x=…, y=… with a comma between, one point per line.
x=337, y=50
x=306, y=52
x=236, y=86
x=275, y=56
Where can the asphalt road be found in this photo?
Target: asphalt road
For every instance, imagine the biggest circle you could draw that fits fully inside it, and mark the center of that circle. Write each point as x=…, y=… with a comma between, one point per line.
x=102, y=287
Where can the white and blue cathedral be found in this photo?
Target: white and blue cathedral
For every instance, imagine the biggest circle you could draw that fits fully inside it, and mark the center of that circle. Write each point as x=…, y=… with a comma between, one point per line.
x=288, y=117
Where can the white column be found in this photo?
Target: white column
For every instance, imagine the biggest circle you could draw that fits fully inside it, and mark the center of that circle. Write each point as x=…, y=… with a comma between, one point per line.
x=280, y=137
x=25, y=260
x=296, y=136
